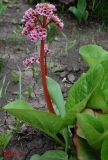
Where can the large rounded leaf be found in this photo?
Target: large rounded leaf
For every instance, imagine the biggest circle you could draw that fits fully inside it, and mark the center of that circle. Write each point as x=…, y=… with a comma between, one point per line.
x=46, y=122
x=93, y=54
x=99, y=99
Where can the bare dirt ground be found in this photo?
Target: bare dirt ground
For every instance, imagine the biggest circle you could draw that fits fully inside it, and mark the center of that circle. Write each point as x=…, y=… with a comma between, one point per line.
x=65, y=66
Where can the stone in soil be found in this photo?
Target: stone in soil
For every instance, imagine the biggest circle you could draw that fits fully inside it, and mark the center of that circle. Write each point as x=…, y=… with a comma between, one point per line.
x=71, y=78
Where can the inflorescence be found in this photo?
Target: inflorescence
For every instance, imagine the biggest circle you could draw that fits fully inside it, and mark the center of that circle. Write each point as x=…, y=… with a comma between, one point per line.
x=33, y=27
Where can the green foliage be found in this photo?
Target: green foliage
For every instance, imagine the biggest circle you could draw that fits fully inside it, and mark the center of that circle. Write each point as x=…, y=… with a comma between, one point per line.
x=93, y=137
x=51, y=125
x=89, y=125
x=85, y=152
x=5, y=139
x=100, y=9
x=93, y=54
x=3, y=8
x=56, y=95
x=30, y=91
x=104, y=150
x=80, y=93
x=15, y=76
x=51, y=155
x=51, y=32
x=94, y=133
x=80, y=11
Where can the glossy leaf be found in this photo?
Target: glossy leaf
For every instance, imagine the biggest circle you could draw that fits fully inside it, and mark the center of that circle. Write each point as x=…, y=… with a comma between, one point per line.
x=46, y=122
x=93, y=54
x=55, y=155
x=103, y=118
x=56, y=95
x=51, y=155
x=99, y=99
x=35, y=157
x=91, y=130
x=104, y=150
x=81, y=91
x=84, y=151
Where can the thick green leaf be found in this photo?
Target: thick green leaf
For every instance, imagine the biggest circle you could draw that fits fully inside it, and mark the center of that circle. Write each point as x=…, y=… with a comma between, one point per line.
x=99, y=99
x=35, y=157
x=104, y=82
x=56, y=95
x=91, y=131
x=80, y=12
x=55, y=155
x=75, y=11
x=46, y=122
x=84, y=151
x=81, y=6
x=81, y=91
x=51, y=155
x=104, y=150
x=92, y=120
x=103, y=118
x=93, y=54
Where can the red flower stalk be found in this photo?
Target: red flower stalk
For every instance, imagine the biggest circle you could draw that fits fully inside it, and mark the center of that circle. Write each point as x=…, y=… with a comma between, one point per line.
x=43, y=71
x=35, y=29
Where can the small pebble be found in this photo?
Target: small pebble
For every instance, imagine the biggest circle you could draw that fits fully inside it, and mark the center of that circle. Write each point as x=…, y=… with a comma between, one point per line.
x=71, y=78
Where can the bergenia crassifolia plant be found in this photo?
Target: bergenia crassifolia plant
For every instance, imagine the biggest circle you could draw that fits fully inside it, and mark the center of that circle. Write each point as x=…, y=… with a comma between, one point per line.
x=79, y=124
x=36, y=23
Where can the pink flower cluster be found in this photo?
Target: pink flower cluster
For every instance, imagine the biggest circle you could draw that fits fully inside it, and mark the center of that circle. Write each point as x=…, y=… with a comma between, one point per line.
x=30, y=14
x=31, y=60
x=57, y=21
x=37, y=33
x=35, y=59
x=33, y=28
x=45, y=9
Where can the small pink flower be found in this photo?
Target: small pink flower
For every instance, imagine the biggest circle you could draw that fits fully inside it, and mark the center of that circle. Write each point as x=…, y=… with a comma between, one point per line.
x=30, y=24
x=31, y=60
x=45, y=9
x=61, y=25
x=25, y=31
x=32, y=36
x=57, y=21
x=46, y=49
x=37, y=33
x=30, y=14
x=28, y=27
x=42, y=34
x=26, y=62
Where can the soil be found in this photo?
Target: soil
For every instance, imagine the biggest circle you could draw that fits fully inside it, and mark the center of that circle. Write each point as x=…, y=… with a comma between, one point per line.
x=64, y=62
